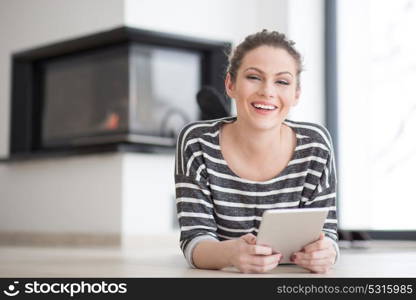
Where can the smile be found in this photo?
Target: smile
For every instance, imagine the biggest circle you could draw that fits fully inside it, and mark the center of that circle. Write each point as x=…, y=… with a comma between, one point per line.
x=264, y=107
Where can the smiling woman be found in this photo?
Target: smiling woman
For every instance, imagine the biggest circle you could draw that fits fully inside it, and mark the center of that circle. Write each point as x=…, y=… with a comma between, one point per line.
x=267, y=84
x=229, y=171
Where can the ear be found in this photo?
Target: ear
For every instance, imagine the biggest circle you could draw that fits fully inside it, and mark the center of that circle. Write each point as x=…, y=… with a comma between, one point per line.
x=229, y=86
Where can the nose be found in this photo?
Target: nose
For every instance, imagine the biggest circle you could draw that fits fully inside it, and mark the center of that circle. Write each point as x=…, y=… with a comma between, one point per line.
x=267, y=89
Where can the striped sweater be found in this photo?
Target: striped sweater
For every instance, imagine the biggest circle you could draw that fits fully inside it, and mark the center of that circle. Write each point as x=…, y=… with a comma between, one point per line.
x=214, y=203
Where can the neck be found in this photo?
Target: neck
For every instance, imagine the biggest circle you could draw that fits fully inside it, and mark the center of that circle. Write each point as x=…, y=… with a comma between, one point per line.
x=258, y=143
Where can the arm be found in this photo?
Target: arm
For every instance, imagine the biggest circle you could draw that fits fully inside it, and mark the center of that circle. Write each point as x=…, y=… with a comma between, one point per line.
x=321, y=255
x=199, y=242
x=242, y=253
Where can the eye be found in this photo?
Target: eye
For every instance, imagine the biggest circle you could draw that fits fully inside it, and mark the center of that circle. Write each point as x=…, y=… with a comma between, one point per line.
x=252, y=77
x=282, y=82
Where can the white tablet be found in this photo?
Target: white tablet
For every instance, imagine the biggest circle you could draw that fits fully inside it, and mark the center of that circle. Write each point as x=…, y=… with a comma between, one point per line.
x=289, y=230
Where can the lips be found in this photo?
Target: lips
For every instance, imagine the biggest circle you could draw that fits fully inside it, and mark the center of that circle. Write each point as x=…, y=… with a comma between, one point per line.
x=263, y=105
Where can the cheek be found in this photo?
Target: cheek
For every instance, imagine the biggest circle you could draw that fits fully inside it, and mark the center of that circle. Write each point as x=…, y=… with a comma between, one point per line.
x=288, y=97
x=244, y=93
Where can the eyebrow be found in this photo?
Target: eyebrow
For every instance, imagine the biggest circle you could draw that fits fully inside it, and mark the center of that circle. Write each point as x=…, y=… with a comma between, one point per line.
x=260, y=71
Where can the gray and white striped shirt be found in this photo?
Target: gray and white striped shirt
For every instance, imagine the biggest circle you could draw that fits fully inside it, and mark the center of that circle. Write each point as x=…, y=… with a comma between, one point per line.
x=215, y=203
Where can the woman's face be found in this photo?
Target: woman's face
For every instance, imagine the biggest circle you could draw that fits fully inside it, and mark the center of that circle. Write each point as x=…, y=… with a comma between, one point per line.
x=265, y=87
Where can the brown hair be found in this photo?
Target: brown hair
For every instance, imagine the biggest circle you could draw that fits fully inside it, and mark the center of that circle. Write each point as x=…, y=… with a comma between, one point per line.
x=263, y=38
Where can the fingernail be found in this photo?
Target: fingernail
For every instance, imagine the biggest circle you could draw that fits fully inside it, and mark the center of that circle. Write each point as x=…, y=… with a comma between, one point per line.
x=293, y=257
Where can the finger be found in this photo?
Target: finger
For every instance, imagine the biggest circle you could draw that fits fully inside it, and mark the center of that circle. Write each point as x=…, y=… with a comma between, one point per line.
x=308, y=258
x=249, y=238
x=317, y=269
x=321, y=270
x=264, y=260
x=262, y=269
x=308, y=263
x=319, y=254
x=318, y=266
x=259, y=250
x=320, y=244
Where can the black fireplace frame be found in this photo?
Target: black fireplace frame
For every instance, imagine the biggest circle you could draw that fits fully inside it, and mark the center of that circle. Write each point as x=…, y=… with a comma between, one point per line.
x=26, y=102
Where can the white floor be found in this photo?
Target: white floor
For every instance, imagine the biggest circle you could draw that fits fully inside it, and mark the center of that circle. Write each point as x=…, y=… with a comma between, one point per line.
x=160, y=256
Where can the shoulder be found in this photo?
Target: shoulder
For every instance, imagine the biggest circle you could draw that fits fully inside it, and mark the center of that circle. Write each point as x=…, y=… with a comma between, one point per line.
x=191, y=141
x=316, y=132
x=200, y=128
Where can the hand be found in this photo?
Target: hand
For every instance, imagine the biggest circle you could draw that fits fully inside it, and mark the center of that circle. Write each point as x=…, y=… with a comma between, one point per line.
x=317, y=257
x=248, y=257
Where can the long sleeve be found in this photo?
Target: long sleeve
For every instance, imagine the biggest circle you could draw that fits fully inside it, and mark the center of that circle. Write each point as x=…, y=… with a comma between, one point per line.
x=193, y=197
x=324, y=195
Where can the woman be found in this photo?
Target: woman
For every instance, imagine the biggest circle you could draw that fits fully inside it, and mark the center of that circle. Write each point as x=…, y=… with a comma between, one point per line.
x=229, y=171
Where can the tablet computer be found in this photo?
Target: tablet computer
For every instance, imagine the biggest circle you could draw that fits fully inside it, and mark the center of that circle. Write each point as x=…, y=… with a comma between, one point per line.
x=289, y=230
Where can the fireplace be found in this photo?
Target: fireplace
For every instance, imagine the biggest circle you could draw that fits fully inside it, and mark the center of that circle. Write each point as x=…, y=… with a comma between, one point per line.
x=120, y=89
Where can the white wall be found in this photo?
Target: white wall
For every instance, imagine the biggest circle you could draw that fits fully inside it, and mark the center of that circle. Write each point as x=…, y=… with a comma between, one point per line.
x=306, y=28
x=149, y=204
x=273, y=14
x=67, y=195
x=215, y=19
x=114, y=193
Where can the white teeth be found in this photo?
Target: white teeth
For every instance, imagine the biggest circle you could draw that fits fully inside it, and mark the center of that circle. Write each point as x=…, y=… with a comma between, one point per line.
x=269, y=107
